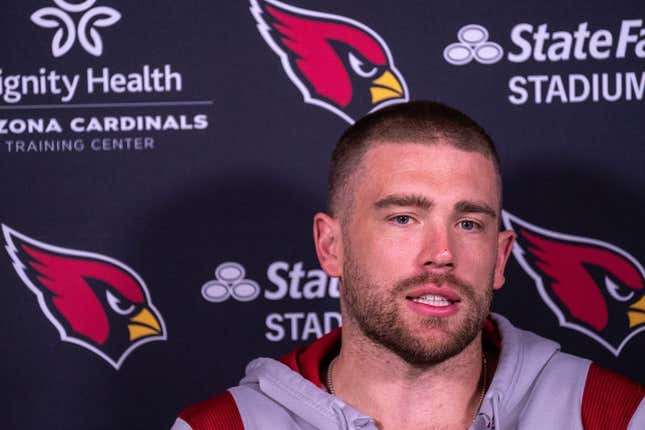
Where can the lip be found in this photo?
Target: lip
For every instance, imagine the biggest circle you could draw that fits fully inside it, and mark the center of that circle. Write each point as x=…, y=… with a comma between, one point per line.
x=426, y=310
x=446, y=292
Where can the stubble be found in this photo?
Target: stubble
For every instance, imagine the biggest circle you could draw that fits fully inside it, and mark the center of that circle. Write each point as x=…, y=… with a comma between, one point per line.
x=376, y=310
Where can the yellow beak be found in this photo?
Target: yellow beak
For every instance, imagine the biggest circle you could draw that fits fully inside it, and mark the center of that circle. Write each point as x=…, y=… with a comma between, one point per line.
x=636, y=313
x=385, y=87
x=143, y=324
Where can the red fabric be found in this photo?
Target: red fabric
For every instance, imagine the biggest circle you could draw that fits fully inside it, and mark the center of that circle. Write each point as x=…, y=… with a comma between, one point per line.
x=609, y=400
x=491, y=335
x=217, y=413
x=310, y=359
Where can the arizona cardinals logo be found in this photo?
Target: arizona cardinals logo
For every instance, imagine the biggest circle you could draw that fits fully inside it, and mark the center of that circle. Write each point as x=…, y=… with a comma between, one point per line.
x=336, y=63
x=93, y=301
x=592, y=286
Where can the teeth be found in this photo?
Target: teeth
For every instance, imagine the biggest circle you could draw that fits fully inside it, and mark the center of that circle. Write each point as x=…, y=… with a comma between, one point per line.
x=431, y=299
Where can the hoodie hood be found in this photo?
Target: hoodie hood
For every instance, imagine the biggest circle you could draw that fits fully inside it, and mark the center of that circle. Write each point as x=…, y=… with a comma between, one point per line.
x=523, y=356
x=304, y=400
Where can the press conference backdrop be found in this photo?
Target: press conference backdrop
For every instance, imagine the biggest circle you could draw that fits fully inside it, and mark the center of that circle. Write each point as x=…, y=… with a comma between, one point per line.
x=162, y=161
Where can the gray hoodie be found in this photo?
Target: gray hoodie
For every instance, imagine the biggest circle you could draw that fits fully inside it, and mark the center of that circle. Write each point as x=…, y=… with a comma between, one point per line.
x=535, y=386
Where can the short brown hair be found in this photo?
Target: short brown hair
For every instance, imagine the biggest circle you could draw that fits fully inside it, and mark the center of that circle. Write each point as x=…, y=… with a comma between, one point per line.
x=423, y=122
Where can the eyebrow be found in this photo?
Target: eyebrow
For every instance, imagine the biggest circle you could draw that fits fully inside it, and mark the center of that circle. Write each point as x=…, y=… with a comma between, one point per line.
x=413, y=200
x=466, y=206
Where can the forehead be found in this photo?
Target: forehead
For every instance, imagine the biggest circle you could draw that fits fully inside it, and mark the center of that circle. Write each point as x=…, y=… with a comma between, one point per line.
x=437, y=170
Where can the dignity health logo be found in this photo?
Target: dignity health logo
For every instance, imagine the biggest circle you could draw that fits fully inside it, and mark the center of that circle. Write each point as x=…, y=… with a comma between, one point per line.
x=67, y=31
x=153, y=92
x=542, y=43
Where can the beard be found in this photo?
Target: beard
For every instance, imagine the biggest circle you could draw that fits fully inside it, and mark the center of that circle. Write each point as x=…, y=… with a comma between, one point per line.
x=374, y=307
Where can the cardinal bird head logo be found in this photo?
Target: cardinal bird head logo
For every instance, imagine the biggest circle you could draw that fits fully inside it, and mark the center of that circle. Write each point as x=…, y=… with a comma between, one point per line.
x=337, y=63
x=593, y=287
x=93, y=300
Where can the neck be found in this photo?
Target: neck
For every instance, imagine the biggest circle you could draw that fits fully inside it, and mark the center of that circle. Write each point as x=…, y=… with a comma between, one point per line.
x=398, y=394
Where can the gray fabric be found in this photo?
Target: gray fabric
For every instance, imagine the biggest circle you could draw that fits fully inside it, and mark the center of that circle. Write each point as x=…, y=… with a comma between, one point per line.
x=272, y=396
x=535, y=387
x=638, y=419
x=180, y=425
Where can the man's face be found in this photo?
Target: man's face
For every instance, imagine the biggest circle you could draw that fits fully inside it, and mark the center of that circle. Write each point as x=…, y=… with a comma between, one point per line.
x=421, y=248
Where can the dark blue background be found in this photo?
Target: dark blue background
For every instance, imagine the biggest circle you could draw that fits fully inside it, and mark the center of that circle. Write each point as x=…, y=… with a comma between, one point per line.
x=245, y=189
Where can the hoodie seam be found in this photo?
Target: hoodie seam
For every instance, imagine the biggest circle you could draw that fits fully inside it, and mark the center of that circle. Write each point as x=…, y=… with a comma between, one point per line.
x=512, y=390
x=582, y=381
x=515, y=376
x=321, y=409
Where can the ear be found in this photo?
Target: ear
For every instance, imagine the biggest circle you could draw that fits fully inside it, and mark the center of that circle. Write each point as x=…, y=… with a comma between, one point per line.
x=329, y=245
x=505, y=242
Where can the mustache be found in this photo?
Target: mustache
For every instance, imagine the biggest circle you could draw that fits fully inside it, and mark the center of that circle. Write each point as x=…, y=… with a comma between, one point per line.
x=438, y=279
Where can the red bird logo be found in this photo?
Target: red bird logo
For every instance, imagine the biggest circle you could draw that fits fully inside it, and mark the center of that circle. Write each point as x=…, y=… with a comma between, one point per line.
x=337, y=63
x=593, y=287
x=93, y=300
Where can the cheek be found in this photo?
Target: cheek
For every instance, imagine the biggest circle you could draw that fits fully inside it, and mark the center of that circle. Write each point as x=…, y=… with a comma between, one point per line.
x=401, y=245
x=477, y=257
x=385, y=254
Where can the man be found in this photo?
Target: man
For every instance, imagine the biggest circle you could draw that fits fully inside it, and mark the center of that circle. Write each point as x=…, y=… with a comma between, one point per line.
x=413, y=234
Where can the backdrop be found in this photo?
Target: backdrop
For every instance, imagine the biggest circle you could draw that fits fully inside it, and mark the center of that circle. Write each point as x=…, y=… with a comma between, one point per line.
x=162, y=161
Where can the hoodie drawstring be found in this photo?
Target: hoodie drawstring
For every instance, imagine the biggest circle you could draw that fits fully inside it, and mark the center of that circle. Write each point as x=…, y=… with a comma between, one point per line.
x=496, y=422
x=340, y=418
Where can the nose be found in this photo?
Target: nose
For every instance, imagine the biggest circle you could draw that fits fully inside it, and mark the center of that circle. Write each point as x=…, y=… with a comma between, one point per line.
x=437, y=247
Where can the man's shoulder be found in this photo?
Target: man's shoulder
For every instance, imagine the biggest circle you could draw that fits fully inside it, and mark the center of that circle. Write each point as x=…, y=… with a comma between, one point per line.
x=610, y=400
x=566, y=385
x=215, y=413
x=606, y=399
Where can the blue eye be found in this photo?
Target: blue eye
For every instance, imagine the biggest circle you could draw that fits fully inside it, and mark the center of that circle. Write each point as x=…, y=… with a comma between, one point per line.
x=468, y=225
x=402, y=219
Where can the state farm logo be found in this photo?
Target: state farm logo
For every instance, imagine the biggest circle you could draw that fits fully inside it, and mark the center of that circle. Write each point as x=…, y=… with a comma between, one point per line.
x=545, y=43
x=285, y=281
x=337, y=63
x=67, y=31
x=473, y=44
x=591, y=286
x=229, y=282
x=93, y=300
